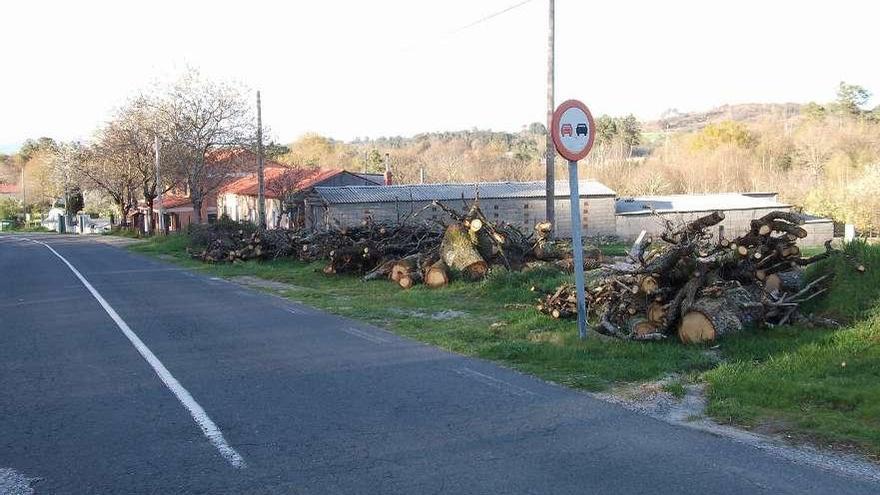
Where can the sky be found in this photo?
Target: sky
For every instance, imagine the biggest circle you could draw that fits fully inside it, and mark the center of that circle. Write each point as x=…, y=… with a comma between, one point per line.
x=349, y=69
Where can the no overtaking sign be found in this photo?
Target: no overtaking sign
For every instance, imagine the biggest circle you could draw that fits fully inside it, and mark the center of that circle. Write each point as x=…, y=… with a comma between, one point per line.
x=573, y=130
x=573, y=133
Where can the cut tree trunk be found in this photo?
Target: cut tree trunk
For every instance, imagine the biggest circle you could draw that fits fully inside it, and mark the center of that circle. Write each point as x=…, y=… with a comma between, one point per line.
x=788, y=282
x=401, y=268
x=640, y=326
x=409, y=279
x=437, y=275
x=460, y=254
x=710, y=318
x=656, y=312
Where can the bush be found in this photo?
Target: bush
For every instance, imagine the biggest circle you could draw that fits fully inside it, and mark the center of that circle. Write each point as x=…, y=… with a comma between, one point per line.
x=9, y=209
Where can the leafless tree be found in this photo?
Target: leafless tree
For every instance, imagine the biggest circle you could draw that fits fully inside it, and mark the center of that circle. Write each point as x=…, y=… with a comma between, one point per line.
x=101, y=166
x=129, y=139
x=200, y=119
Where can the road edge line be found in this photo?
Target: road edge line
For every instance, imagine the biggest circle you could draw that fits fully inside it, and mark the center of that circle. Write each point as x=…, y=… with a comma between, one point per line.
x=208, y=427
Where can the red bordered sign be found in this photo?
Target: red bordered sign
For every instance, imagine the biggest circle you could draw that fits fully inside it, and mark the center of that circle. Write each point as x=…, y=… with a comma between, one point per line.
x=573, y=130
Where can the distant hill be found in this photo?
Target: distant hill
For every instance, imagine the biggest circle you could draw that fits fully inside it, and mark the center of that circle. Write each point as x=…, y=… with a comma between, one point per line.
x=674, y=120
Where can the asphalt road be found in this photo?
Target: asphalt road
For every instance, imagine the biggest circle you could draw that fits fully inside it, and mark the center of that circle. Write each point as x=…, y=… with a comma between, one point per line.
x=313, y=403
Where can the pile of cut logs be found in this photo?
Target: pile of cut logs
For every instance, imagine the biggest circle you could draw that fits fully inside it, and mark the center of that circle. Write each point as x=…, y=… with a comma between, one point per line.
x=408, y=253
x=468, y=247
x=699, y=286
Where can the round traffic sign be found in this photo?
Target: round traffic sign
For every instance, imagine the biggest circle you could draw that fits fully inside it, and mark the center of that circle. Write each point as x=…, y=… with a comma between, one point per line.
x=573, y=130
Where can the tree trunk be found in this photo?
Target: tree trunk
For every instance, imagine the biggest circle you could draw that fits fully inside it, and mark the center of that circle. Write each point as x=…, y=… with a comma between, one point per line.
x=710, y=318
x=149, y=200
x=460, y=255
x=437, y=275
x=197, y=209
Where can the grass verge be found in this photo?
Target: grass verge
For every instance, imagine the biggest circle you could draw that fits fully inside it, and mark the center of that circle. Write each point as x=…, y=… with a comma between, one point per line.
x=820, y=384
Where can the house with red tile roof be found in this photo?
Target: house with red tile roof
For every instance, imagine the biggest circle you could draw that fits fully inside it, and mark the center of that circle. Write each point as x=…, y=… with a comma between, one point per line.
x=286, y=189
x=10, y=191
x=226, y=166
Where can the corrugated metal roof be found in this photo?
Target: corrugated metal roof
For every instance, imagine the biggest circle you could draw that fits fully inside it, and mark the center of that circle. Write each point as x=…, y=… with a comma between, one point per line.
x=447, y=192
x=695, y=202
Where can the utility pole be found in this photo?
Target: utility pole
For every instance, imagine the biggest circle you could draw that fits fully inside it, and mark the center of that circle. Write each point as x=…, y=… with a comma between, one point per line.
x=261, y=194
x=550, y=157
x=160, y=223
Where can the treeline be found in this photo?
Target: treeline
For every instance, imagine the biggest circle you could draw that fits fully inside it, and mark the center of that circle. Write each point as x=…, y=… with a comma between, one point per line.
x=823, y=157
x=457, y=156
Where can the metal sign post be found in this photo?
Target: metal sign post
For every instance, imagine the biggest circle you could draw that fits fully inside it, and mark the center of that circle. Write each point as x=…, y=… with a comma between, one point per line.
x=577, y=247
x=573, y=133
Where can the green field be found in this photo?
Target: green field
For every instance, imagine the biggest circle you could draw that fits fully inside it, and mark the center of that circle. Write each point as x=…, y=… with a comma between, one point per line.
x=821, y=385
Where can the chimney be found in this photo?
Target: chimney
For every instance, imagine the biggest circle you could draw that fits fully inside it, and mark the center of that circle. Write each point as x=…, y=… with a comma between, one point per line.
x=388, y=175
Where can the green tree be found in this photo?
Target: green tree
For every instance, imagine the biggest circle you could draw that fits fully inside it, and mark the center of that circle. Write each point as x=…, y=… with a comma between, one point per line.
x=851, y=97
x=630, y=130
x=537, y=128
x=813, y=111
x=606, y=129
x=9, y=208
x=32, y=146
x=273, y=150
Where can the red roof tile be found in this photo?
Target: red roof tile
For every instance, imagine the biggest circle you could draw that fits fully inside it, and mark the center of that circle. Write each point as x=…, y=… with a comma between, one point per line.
x=9, y=189
x=172, y=201
x=248, y=186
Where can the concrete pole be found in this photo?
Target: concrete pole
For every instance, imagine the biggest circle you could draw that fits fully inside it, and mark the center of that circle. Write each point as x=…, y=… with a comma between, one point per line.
x=261, y=193
x=23, y=198
x=161, y=220
x=550, y=156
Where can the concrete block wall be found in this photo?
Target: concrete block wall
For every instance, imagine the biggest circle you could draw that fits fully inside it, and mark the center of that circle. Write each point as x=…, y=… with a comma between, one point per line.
x=597, y=214
x=818, y=231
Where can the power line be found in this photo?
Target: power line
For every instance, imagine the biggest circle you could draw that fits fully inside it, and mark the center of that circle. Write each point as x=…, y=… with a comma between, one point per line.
x=488, y=17
x=468, y=26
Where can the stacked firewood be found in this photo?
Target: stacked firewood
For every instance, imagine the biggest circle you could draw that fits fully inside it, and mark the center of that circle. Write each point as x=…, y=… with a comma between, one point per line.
x=700, y=286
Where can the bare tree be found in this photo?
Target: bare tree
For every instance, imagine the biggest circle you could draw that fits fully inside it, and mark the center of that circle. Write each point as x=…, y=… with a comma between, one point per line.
x=101, y=166
x=129, y=139
x=200, y=118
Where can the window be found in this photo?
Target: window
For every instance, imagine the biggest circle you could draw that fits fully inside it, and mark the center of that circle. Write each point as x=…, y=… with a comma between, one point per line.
x=212, y=217
x=495, y=207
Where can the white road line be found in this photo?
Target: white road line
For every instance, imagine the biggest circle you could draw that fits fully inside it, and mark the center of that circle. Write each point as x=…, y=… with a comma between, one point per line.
x=364, y=335
x=211, y=431
x=494, y=382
